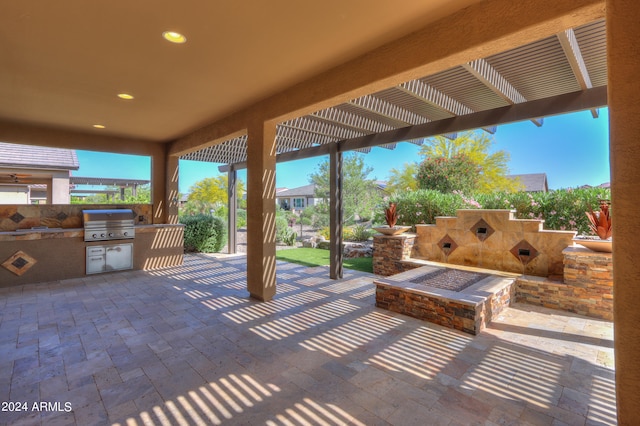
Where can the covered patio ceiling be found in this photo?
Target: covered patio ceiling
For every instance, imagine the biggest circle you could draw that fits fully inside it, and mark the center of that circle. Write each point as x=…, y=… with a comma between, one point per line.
x=563, y=73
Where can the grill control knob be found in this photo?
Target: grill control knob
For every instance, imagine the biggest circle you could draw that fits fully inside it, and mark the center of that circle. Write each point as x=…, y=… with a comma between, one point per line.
x=111, y=234
x=94, y=236
x=102, y=235
x=125, y=233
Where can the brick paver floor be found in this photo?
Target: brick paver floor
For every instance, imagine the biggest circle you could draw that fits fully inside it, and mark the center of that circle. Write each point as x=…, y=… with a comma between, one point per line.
x=186, y=345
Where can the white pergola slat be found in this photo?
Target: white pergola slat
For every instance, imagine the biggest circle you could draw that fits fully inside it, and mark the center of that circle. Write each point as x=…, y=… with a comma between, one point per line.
x=572, y=60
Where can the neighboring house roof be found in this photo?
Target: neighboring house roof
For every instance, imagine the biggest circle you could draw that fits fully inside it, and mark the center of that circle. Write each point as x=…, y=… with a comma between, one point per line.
x=533, y=182
x=37, y=157
x=310, y=190
x=301, y=191
x=602, y=185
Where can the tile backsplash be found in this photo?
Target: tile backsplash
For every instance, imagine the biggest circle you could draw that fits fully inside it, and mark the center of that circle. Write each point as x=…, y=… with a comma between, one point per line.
x=17, y=216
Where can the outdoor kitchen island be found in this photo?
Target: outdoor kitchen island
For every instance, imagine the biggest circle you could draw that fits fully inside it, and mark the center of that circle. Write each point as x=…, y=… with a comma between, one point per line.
x=29, y=256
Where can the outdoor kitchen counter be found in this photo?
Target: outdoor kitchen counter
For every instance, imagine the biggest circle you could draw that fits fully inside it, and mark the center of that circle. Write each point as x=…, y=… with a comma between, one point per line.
x=38, y=255
x=40, y=234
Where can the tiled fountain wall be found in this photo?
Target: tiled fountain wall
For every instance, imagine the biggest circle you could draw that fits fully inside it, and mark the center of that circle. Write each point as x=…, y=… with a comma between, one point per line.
x=558, y=274
x=493, y=239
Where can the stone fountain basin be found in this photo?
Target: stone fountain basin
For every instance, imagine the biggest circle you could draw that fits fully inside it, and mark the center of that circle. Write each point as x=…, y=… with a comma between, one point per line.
x=594, y=244
x=396, y=230
x=485, y=294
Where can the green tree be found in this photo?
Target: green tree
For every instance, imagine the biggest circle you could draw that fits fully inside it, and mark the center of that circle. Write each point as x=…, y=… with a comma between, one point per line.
x=209, y=196
x=403, y=179
x=475, y=145
x=212, y=191
x=447, y=175
x=361, y=195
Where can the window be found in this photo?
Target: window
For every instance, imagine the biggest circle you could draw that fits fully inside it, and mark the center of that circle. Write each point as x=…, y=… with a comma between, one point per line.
x=298, y=203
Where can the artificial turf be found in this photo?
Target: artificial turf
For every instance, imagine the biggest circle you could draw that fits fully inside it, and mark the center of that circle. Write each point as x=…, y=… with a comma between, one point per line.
x=320, y=257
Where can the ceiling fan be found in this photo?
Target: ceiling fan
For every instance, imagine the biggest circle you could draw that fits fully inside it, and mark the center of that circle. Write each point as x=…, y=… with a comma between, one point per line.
x=14, y=178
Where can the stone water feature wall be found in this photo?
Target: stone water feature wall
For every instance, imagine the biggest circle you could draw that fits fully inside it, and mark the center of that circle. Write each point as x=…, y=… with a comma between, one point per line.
x=494, y=239
x=577, y=279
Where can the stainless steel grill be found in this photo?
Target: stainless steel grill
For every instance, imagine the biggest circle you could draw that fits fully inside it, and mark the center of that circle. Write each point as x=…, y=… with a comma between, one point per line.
x=106, y=225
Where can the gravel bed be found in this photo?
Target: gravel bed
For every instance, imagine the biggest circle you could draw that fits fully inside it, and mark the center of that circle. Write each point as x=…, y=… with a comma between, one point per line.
x=449, y=279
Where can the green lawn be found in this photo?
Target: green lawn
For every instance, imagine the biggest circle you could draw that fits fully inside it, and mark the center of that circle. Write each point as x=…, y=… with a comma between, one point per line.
x=319, y=257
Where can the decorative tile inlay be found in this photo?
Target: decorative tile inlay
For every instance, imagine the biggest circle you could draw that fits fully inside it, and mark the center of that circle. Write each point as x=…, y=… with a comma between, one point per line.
x=447, y=245
x=16, y=217
x=482, y=230
x=19, y=263
x=524, y=252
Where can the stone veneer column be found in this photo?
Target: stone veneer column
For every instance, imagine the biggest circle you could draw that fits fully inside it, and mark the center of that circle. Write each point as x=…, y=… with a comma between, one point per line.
x=389, y=251
x=261, y=210
x=624, y=127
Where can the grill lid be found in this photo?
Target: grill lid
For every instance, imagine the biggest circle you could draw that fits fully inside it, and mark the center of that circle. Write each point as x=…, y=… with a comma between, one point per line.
x=107, y=215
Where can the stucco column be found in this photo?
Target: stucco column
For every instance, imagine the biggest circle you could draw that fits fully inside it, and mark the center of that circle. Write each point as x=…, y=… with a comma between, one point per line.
x=172, y=195
x=624, y=130
x=59, y=189
x=232, y=198
x=163, y=170
x=261, y=210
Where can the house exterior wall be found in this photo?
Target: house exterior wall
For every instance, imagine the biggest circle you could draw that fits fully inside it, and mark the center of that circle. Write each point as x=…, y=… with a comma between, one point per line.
x=14, y=194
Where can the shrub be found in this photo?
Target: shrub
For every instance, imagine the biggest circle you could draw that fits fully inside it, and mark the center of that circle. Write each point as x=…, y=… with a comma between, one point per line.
x=203, y=233
x=290, y=238
x=349, y=233
x=424, y=205
x=284, y=233
x=241, y=218
x=282, y=227
x=325, y=232
x=359, y=233
x=563, y=209
x=316, y=216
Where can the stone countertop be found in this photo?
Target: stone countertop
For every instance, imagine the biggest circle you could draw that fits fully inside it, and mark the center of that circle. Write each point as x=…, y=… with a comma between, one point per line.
x=49, y=233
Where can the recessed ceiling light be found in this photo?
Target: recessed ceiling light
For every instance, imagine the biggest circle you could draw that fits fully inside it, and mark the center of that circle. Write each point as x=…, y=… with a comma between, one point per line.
x=98, y=126
x=126, y=96
x=174, y=37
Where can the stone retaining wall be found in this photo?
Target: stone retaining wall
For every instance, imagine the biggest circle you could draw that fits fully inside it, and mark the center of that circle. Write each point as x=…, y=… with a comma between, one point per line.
x=587, y=288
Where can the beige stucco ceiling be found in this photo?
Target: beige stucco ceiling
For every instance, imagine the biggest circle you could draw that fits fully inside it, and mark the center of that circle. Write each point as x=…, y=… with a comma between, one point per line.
x=62, y=63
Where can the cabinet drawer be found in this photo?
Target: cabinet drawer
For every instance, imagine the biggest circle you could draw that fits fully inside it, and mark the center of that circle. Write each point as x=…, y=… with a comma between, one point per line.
x=95, y=251
x=95, y=264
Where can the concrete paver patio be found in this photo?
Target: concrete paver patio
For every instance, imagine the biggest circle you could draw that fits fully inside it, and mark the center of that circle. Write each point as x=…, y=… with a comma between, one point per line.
x=186, y=345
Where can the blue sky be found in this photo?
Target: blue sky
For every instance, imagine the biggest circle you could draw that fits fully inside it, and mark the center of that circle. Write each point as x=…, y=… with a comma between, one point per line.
x=572, y=149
